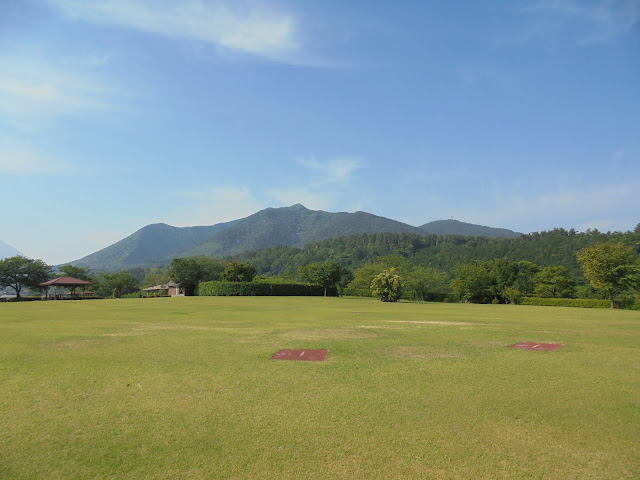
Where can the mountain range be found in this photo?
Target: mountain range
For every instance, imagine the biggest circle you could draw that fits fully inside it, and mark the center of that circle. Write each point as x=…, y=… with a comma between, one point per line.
x=294, y=226
x=7, y=250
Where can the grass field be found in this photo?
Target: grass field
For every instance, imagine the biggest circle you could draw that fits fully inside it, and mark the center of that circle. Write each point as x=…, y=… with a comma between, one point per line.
x=184, y=388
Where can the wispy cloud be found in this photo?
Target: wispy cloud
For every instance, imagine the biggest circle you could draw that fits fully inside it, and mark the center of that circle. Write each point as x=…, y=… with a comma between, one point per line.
x=334, y=170
x=213, y=205
x=601, y=20
x=19, y=157
x=16, y=159
x=326, y=185
x=589, y=206
x=30, y=84
x=249, y=28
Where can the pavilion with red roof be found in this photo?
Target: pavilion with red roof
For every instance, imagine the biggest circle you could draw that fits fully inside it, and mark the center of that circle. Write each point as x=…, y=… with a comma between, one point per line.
x=67, y=282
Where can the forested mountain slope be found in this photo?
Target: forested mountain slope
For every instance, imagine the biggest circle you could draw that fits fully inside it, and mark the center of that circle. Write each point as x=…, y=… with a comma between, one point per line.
x=293, y=226
x=149, y=246
x=556, y=247
x=456, y=227
x=7, y=250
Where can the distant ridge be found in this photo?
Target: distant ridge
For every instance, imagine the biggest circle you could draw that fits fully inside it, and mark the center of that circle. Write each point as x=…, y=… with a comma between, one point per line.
x=7, y=251
x=455, y=227
x=293, y=226
x=151, y=245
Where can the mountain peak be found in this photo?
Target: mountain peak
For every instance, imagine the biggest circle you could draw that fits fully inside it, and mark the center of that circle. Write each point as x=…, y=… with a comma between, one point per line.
x=7, y=251
x=295, y=225
x=297, y=206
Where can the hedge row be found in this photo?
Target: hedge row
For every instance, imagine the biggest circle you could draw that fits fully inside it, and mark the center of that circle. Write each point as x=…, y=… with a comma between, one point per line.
x=566, y=302
x=429, y=297
x=356, y=292
x=254, y=289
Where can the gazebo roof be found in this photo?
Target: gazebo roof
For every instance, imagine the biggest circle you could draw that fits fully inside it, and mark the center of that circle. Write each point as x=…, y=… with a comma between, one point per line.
x=65, y=282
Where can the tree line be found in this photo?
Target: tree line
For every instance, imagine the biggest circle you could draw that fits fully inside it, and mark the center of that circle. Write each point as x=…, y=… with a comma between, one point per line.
x=556, y=247
x=432, y=267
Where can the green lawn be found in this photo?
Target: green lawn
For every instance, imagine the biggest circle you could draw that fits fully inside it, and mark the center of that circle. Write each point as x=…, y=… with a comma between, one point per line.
x=184, y=388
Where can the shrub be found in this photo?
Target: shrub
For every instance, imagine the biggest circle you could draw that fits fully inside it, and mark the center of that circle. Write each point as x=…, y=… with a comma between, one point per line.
x=566, y=302
x=357, y=292
x=131, y=295
x=387, y=286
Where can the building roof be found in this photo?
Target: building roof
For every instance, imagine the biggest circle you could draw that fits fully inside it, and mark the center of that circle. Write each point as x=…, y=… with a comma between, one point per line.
x=165, y=286
x=65, y=282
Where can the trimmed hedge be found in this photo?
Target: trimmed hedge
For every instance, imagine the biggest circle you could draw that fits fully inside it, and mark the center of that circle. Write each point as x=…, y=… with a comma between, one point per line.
x=256, y=289
x=356, y=292
x=566, y=302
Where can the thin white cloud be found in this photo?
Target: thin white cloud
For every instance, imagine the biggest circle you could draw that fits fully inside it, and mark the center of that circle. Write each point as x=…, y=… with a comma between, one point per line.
x=254, y=29
x=22, y=160
x=334, y=170
x=31, y=85
x=602, y=20
x=328, y=184
x=213, y=205
x=611, y=206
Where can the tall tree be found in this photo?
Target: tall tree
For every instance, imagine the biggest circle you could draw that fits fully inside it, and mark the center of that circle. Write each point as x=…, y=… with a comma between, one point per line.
x=83, y=273
x=346, y=276
x=155, y=276
x=612, y=268
x=553, y=282
x=120, y=283
x=19, y=272
x=363, y=276
x=238, y=272
x=474, y=281
x=425, y=280
x=188, y=272
x=326, y=274
x=525, y=274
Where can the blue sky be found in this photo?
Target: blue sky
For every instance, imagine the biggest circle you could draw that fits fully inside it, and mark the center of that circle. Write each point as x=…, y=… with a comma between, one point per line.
x=116, y=114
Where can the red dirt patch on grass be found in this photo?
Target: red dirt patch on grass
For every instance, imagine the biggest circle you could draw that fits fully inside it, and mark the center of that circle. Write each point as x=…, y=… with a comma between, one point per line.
x=300, y=354
x=536, y=346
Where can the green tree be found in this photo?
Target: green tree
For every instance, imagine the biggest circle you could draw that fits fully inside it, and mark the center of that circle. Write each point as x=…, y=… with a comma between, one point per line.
x=387, y=286
x=554, y=282
x=119, y=283
x=612, y=268
x=238, y=272
x=363, y=276
x=326, y=274
x=503, y=276
x=19, y=272
x=155, y=276
x=188, y=272
x=83, y=273
x=346, y=276
x=425, y=280
x=524, y=279
x=473, y=281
